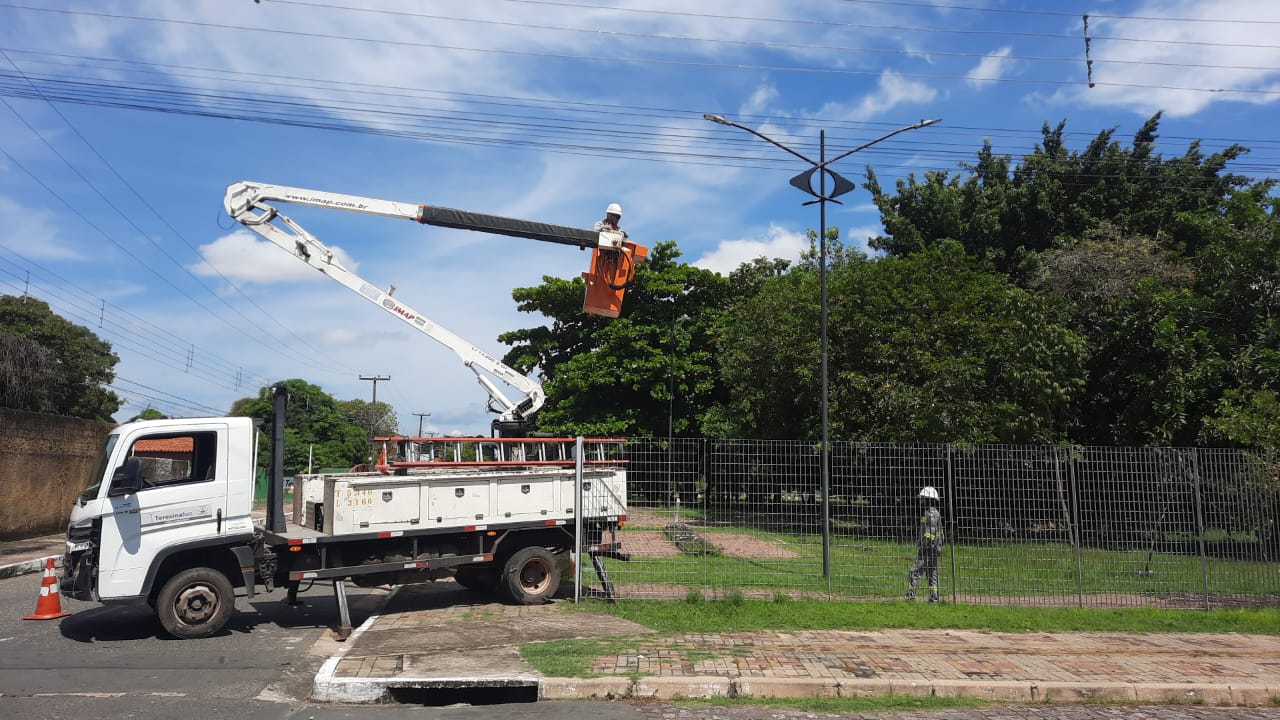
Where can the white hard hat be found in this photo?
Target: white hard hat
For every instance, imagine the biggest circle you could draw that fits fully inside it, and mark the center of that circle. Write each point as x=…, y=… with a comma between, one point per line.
x=613, y=209
x=930, y=492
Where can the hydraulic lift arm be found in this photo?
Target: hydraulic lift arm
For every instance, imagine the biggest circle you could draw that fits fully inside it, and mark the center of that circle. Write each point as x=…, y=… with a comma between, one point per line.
x=613, y=265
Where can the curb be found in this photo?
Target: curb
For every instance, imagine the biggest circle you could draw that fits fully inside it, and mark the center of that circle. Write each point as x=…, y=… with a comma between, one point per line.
x=27, y=567
x=378, y=690
x=998, y=692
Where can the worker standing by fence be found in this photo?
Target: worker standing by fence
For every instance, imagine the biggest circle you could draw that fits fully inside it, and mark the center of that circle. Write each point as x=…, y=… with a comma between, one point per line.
x=929, y=547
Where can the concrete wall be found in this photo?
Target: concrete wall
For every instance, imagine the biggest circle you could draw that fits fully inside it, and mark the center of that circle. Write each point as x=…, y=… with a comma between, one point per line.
x=45, y=461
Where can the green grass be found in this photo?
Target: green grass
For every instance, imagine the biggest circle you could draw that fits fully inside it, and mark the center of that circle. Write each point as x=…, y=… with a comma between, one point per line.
x=873, y=567
x=575, y=658
x=884, y=703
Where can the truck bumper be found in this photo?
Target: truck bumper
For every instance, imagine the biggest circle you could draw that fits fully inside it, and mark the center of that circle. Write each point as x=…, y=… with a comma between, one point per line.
x=77, y=577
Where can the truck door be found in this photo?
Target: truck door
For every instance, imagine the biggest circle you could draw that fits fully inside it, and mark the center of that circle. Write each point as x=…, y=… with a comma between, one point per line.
x=182, y=499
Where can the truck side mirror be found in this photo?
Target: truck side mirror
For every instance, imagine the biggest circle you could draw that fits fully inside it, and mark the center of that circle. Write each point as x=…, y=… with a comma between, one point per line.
x=127, y=479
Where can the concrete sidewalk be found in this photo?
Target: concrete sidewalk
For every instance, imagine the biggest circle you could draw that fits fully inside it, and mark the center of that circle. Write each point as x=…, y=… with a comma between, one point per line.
x=19, y=557
x=437, y=636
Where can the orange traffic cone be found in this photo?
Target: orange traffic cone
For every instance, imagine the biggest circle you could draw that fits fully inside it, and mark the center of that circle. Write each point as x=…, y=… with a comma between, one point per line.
x=49, y=606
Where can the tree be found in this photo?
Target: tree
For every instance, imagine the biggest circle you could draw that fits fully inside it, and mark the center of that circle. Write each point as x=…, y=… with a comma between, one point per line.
x=314, y=424
x=149, y=413
x=380, y=416
x=648, y=372
x=929, y=347
x=27, y=374
x=71, y=376
x=1053, y=194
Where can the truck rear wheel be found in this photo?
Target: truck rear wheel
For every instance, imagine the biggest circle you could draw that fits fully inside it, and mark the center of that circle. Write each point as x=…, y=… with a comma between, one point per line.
x=481, y=580
x=531, y=576
x=195, y=603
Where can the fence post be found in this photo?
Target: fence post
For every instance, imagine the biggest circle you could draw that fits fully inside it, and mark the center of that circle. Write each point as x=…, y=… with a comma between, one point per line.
x=578, y=504
x=950, y=491
x=1076, y=542
x=704, y=458
x=1204, y=557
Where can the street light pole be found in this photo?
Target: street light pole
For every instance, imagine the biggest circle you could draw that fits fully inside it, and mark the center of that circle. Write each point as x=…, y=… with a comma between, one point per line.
x=840, y=186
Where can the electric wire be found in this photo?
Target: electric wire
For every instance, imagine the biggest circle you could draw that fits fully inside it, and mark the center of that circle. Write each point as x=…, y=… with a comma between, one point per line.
x=906, y=28
x=110, y=238
x=757, y=43
x=1046, y=13
x=401, y=123
x=643, y=60
x=138, y=343
x=399, y=92
x=85, y=305
x=165, y=221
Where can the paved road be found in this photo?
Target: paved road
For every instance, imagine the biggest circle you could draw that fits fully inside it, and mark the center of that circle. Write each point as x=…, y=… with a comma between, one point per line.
x=269, y=650
x=109, y=662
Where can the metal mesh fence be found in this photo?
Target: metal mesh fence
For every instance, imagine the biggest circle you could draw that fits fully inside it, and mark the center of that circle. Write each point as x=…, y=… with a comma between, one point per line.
x=1026, y=525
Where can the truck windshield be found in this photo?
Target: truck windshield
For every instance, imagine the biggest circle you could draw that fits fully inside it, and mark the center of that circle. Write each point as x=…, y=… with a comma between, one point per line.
x=95, y=482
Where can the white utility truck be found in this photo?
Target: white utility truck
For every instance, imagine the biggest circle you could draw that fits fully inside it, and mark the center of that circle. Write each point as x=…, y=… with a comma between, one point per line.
x=166, y=519
x=167, y=522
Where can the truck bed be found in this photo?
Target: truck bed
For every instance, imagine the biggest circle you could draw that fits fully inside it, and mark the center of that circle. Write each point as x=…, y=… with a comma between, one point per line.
x=448, y=500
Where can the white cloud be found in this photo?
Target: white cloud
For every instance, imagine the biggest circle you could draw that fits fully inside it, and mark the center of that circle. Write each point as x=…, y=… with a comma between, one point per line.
x=241, y=258
x=990, y=69
x=1146, y=76
x=778, y=242
x=857, y=237
x=760, y=100
x=33, y=233
x=891, y=91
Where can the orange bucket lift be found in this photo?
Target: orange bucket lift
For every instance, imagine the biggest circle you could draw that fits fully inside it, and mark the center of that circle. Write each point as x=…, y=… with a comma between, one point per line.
x=610, y=275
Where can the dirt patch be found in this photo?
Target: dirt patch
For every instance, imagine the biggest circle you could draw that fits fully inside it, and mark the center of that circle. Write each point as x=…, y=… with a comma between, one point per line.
x=647, y=543
x=744, y=546
x=656, y=544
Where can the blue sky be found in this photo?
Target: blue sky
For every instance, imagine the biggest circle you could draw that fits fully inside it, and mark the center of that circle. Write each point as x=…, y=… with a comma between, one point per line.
x=123, y=123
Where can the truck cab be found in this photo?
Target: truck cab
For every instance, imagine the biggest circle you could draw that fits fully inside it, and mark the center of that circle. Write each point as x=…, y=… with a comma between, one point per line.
x=162, y=488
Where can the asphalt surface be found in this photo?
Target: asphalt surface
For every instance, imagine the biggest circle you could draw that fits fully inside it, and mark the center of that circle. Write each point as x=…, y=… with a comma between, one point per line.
x=434, y=644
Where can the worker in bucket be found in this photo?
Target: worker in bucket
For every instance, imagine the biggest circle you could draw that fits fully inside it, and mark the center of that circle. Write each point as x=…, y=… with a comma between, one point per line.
x=929, y=547
x=612, y=216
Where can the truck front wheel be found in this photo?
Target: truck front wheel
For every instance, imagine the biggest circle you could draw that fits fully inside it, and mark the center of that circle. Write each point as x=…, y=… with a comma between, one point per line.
x=195, y=603
x=531, y=576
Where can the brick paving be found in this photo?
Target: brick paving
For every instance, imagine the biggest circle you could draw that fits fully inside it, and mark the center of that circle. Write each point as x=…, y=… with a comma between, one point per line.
x=435, y=627
x=924, y=655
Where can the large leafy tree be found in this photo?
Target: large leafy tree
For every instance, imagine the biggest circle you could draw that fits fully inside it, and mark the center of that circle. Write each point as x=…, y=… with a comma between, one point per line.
x=314, y=423
x=925, y=348
x=1166, y=265
x=52, y=365
x=1010, y=213
x=648, y=372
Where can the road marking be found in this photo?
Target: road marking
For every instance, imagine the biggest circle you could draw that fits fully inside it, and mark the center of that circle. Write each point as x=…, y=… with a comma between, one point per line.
x=82, y=694
x=108, y=694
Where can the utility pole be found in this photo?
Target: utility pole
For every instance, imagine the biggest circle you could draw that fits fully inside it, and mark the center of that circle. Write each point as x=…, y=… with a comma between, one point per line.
x=373, y=422
x=420, y=416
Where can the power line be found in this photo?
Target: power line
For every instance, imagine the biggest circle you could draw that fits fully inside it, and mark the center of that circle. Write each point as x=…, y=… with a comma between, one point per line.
x=1047, y=13
x=122, y=247
x=667, y=146
x=648, y=61
x=907, y=28
x=758, y=43
x=399, y=93
x=149, y=349
x=144, y=201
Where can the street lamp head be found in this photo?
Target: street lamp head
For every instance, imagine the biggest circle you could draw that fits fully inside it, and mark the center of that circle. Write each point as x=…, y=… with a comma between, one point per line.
x=718, y=119
x=927, y=123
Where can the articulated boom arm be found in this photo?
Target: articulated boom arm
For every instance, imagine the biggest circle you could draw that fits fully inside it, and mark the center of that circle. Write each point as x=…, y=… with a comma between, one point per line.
x=247, y=204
